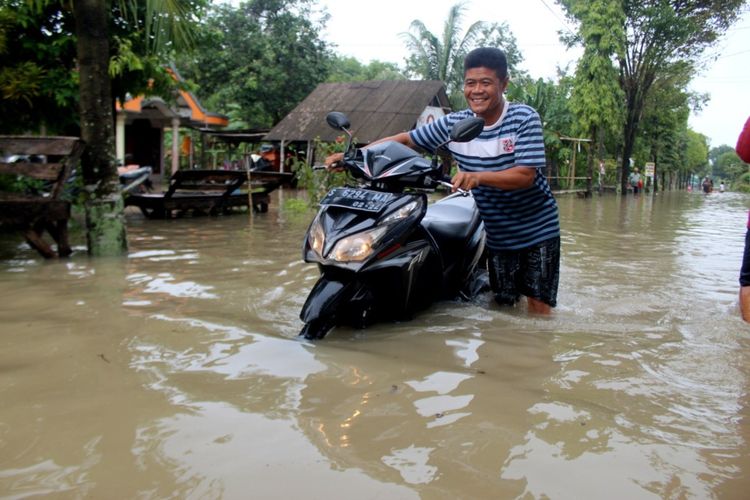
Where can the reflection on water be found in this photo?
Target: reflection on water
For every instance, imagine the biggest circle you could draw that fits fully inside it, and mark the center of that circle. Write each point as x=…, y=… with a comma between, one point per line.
x=176, y=372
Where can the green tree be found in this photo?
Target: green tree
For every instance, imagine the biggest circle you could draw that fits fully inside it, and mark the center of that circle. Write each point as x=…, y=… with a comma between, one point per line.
x=260, y=59
x=38, y=80
x=665, y=122
x=441, y=58
x=596, y=96
x=348, y=69
x=696, y=153
x=729, y=166
x=38, y=61
x=715, y=153
x=657, y=33
x=551, y=100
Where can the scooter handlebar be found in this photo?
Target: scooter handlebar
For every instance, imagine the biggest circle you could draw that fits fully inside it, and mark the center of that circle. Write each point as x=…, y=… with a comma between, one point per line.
x=446, y=181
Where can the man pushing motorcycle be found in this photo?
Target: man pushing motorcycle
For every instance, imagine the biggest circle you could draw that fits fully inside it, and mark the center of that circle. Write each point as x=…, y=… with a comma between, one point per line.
x=503, y=168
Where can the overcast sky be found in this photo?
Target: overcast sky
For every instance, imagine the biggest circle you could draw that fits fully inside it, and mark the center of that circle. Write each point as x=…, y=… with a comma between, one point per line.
x=370, y=30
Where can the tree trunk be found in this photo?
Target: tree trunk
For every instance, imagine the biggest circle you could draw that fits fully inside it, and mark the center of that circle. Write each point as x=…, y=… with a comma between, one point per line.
x=631, y=127
x=636, y=88
x=105, y=221
x=590, y=164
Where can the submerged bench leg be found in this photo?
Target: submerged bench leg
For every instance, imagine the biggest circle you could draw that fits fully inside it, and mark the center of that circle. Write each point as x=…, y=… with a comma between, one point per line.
x=35, y=240
x=59, y=231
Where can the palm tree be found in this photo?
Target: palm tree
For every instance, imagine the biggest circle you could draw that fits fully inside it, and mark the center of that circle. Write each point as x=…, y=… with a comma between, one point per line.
x=435, y=58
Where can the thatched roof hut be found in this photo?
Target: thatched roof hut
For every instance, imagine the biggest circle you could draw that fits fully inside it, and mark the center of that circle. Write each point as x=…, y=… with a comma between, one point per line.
x=375, y=109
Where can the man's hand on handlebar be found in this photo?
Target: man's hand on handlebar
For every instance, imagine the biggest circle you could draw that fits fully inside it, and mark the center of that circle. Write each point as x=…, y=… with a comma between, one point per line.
x=335, y=162
x=465, y=181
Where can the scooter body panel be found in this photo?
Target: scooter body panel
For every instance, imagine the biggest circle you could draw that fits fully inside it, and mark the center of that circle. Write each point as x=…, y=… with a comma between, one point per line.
x=383, y=254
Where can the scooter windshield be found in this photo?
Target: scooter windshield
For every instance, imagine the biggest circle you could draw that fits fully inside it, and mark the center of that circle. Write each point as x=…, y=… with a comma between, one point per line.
x=392, y=158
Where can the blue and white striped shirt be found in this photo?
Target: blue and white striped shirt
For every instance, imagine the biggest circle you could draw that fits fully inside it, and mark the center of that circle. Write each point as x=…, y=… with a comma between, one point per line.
x=514, y=219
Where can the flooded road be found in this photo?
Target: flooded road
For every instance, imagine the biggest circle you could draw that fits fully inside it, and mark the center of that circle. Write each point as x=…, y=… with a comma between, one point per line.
x=176, y=372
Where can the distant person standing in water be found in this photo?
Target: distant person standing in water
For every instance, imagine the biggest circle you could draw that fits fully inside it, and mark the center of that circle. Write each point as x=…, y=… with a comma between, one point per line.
x=743, y=151
x=635, y=180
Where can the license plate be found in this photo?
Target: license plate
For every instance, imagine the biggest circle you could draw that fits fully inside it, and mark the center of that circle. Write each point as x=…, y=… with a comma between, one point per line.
x=358, y=199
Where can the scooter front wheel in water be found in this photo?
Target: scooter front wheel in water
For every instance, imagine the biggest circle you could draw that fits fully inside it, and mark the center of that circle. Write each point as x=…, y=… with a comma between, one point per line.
x=316, y=329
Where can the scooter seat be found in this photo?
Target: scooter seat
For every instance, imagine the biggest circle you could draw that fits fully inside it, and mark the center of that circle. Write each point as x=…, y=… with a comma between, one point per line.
x=451, y=222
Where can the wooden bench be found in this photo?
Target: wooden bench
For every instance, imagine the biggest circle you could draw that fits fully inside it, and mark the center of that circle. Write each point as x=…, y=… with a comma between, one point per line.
x=44, y=209
x=205, y=192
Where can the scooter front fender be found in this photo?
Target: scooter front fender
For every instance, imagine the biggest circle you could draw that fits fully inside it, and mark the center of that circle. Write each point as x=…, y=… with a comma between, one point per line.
x=325, y=298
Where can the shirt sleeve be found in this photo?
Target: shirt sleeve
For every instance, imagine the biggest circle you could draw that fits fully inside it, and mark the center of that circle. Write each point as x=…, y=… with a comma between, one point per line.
x=433, y=134
x=529, y=150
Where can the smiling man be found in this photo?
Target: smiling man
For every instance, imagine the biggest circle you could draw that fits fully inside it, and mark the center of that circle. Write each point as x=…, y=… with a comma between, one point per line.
x=503, y=168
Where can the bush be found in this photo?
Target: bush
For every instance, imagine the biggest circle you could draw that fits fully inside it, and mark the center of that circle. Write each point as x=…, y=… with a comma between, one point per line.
x=296, y=205
x=317, y=182
x=742, y=184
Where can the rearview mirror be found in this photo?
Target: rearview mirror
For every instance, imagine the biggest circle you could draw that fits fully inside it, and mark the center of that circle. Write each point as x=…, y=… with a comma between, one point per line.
x=467, y=129
x=337, y=120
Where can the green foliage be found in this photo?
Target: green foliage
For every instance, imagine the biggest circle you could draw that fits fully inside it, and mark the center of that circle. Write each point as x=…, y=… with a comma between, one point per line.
x=552, y=102
x=742, y=184
x=296, y=205
x=20, y=184
x=715, y=153
x=259, y=59
x=146, y=36
x=696, y=152
x=651, y=39
x=664, y=136
x=38, y=81
x=317, y=182
x=596, y=95
x=348, y=69
x=39, y=75
x=729, y=166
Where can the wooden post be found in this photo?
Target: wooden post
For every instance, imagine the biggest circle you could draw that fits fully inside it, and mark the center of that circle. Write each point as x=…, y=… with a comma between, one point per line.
x=175, y=144
x=576, y=144
x=249, y=191
x=572, y=173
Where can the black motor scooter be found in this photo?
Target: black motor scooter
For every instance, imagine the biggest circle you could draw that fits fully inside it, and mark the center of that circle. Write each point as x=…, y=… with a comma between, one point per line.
x=382, y=251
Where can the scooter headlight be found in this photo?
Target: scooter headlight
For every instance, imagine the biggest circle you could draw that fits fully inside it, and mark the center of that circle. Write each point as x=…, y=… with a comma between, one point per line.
x=357, y=247
x=317, y=237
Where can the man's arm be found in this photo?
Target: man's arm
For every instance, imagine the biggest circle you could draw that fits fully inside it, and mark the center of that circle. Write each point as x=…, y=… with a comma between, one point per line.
x=334, y=160
x=512, y=178
x=403, y=138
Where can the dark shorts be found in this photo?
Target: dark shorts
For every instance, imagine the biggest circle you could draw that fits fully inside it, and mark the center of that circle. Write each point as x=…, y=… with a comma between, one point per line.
x=533, y=272
x=745, y=270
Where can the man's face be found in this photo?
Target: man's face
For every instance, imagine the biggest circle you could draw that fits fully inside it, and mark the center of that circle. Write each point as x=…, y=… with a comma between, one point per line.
x=484, y=93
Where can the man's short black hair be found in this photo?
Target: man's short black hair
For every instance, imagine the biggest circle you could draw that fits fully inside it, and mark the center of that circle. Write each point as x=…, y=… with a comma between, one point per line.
x=487, y=57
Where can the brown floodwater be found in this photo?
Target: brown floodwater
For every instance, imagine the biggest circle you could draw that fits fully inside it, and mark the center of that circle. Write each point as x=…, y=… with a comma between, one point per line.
x=176, y=372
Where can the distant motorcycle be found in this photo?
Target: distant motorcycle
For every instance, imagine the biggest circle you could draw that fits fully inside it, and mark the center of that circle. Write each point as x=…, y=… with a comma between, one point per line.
x=383, y=253
x=137, y=178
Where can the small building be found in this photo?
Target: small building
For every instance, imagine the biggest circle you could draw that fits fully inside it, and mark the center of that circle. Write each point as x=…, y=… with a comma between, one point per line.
x=375, y=109
x=141, y=122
